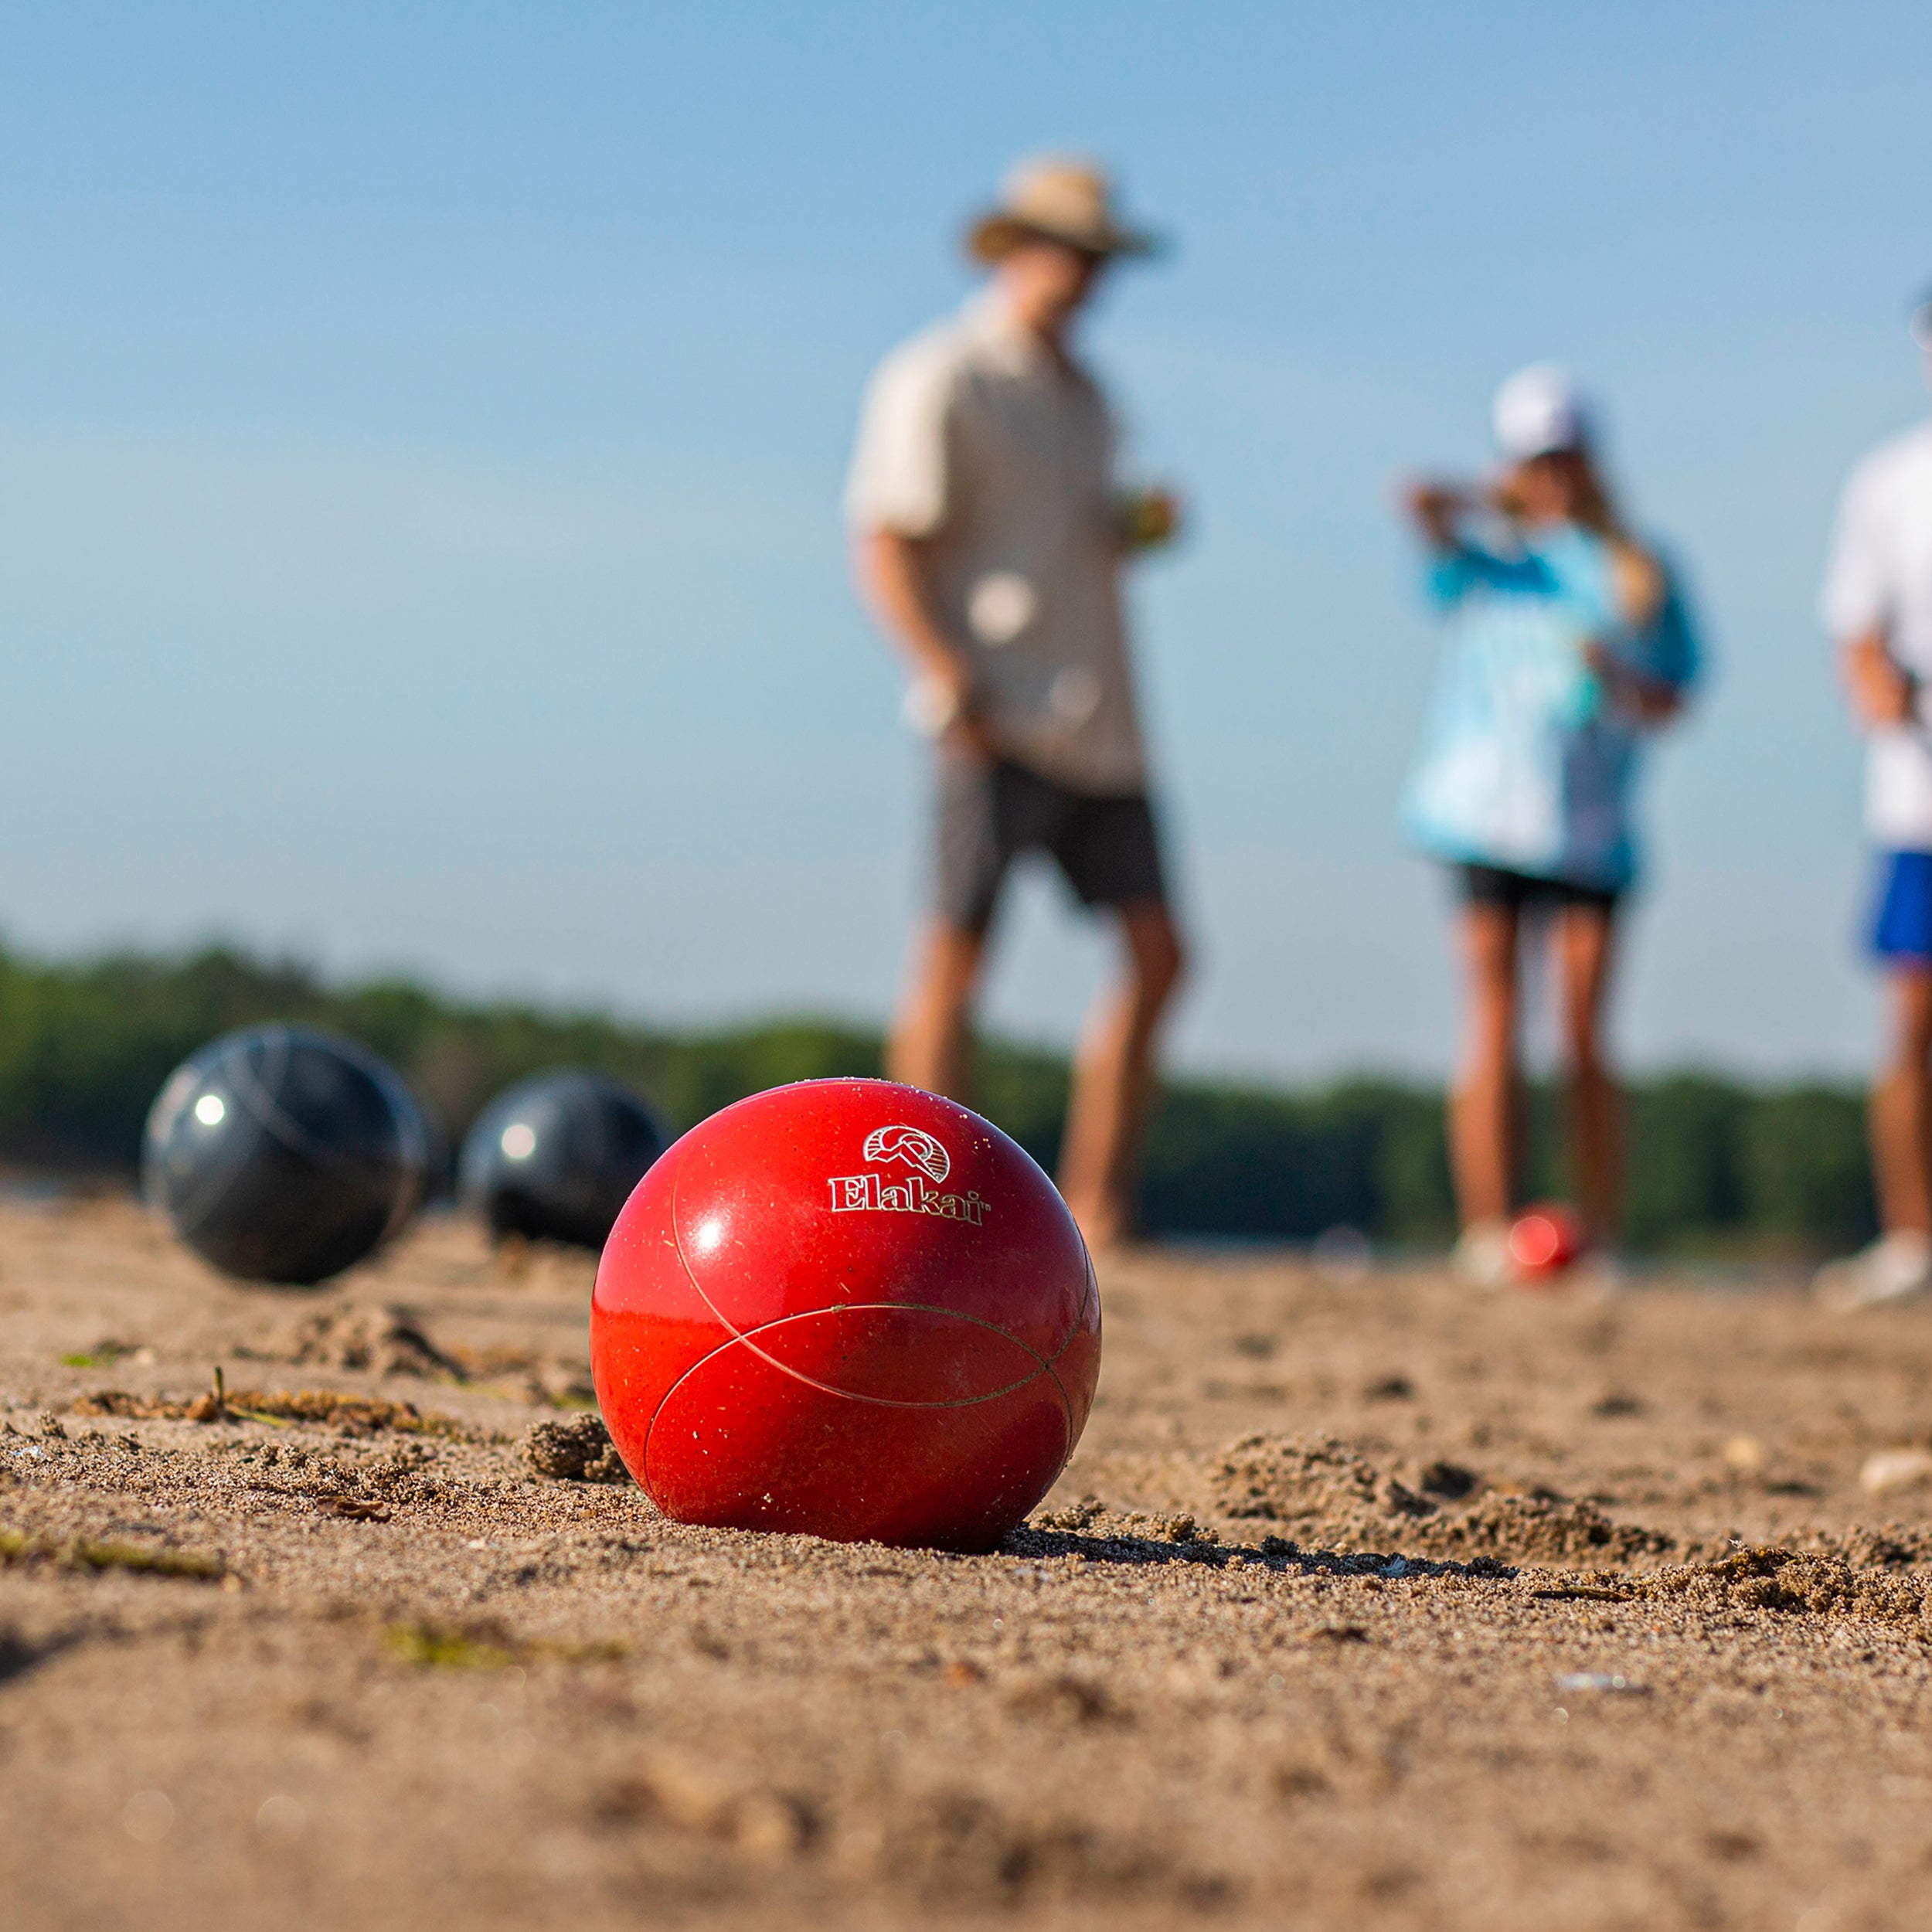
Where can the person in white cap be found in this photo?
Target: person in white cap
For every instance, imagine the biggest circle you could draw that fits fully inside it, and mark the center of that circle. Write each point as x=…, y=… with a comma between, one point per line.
x=1567, y=641
x=1877, y=605
x=989, y=535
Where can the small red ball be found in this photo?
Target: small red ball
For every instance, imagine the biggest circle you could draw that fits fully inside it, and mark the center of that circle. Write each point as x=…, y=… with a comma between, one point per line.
x=848, y=1309
x=1545, y=1241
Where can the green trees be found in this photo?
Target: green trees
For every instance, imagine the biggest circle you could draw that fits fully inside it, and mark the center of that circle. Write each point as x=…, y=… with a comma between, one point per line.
x=1716, y=1168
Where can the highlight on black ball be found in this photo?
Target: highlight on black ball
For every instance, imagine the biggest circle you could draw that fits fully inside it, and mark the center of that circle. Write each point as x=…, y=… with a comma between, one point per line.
x=555, y=1157
x=284, y=1154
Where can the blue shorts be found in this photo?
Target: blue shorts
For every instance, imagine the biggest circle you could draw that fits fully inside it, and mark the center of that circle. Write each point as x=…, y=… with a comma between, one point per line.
x=1902, y=921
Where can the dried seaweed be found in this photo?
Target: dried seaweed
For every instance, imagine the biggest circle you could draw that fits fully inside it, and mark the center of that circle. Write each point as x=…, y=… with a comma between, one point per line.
x=358, y=1415
x=81, y=1553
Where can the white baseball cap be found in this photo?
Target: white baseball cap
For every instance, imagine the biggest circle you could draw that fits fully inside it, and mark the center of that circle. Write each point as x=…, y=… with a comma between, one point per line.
x=1540, y=411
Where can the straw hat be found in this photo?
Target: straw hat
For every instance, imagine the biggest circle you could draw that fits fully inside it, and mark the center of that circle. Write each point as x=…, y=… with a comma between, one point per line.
x=1052, y=198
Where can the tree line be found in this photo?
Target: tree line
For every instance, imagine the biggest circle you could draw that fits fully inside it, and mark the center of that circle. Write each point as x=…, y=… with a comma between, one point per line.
x=1718, y=1167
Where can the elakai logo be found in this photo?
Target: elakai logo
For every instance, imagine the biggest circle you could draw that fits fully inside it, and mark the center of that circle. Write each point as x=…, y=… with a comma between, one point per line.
x=915, y=1148
x=930, y=1162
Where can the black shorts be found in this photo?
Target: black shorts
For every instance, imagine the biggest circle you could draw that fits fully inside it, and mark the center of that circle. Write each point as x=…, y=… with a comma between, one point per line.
x=1518, y=891
x=1107, y=845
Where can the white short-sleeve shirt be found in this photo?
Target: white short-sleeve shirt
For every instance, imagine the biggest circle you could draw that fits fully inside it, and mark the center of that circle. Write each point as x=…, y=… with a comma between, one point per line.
x=973, y=436
x=1880, y=578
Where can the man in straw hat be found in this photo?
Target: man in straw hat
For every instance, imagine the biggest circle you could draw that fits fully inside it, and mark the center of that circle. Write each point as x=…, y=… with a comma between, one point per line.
x=989, y=539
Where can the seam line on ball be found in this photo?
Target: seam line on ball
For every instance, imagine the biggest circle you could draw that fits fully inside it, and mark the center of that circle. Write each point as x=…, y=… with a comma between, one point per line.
x=1066, y=1402
x=684, y=1262
x=1091, y=1297
x=922, y=1307
x=847, y=1395
x=256, y=1095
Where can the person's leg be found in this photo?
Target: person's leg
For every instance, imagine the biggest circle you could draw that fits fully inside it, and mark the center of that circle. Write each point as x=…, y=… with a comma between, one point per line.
x=1585, y=936
x=1113, y=1077
x=931, y=1045
x=1900, y=1108
x=978, y=827
x=1483, y=1107
x=1899, y=1112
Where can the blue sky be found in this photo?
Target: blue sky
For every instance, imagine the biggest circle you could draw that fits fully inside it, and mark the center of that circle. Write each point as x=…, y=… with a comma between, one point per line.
x=420, y=429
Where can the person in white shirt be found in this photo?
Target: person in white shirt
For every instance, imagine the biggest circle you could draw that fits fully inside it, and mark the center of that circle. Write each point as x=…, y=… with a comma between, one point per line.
x=989, y=536
x=1877, y=604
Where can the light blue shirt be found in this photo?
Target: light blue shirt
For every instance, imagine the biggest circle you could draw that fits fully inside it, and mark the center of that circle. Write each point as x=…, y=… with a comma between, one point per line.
x=1525, y=763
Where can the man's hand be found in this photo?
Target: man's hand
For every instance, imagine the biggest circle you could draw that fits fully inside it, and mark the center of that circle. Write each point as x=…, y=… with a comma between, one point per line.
x=1149, y=518
x=1883, y=694
x=969, y=732
x=970, y=737
x=944, y=702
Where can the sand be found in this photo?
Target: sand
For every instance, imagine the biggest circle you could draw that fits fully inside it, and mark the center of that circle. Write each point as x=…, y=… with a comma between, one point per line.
x=1364, y=1603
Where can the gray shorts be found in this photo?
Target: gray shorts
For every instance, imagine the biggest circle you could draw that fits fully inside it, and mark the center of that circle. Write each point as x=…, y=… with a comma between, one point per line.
x=1106, y=846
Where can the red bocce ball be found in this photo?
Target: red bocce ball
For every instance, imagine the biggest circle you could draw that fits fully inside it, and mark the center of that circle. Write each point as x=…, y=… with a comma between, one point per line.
x=1545, y=1241
x=849, y=1309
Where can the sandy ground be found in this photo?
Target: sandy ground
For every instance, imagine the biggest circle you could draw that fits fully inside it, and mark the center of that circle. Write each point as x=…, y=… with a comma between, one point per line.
x=1363, y=1604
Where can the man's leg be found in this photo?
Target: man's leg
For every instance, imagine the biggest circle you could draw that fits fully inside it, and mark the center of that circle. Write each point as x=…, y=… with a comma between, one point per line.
x=1482, y=1109
x=1584, y=939
x=979, y=822
x=1113, y=1077
x=1900, y=1120
x=931, y=1042
x=1901, y=1104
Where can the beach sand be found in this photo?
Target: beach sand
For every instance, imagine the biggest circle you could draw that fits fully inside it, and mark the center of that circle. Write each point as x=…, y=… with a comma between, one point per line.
x=1364, y=1603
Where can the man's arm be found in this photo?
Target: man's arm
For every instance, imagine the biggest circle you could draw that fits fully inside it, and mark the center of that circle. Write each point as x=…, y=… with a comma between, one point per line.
x=891, y=570
x=1882, y=693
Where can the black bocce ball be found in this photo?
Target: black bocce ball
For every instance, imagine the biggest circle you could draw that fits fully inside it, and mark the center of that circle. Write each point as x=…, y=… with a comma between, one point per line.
x=555, y=1157
x=282, y=1154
